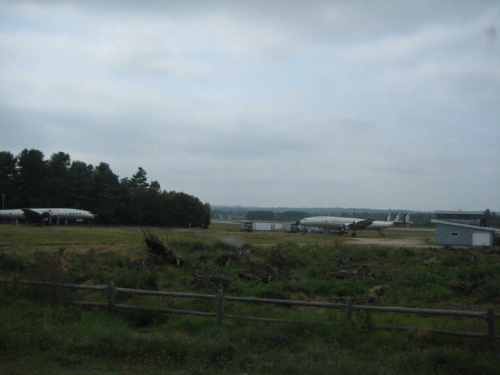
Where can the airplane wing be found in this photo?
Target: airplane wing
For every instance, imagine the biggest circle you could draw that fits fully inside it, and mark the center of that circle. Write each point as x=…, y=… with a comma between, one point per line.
x=362, y=224
x=34, y=215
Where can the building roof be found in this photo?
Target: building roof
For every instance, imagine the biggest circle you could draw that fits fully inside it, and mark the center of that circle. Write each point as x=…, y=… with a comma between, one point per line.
x=475, y=227
x=459, y=212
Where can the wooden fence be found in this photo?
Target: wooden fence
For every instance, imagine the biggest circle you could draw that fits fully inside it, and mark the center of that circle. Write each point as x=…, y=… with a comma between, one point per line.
x=219, y=314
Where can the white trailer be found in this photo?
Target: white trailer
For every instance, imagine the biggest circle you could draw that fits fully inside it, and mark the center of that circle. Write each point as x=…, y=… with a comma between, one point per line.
x=263, y=226
x=249, y=226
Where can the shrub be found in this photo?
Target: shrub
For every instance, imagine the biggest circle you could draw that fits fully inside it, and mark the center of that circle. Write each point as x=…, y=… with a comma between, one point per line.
x=216, y=352
x=436, y=293
x=199, y=245
x=140, y=319
x=322, y=287
x=273, y=290
x=383, y=253
x=12, y=263
x=137, y=279
x=349, y=288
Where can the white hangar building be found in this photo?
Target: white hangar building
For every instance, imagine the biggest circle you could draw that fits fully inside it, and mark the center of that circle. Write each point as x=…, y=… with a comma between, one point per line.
x=458, y=234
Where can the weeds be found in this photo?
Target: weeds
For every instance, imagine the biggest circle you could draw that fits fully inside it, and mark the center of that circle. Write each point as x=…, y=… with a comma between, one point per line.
x=33, y=326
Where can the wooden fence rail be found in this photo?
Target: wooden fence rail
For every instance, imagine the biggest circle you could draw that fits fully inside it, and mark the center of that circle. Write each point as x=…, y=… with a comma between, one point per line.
x=349, y=308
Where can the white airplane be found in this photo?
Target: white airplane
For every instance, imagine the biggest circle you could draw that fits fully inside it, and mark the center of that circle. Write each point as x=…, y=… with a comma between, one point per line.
x=345, y=224
x=45, y=215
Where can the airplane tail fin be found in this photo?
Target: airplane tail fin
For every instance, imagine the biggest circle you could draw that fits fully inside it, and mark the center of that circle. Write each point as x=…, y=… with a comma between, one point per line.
x=402, y=223
x=396, y=218
x=406, y=221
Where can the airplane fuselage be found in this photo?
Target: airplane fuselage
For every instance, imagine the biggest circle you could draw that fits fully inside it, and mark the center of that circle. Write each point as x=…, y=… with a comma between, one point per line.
x=12, y=214
x=39, y=214
x=343, y=223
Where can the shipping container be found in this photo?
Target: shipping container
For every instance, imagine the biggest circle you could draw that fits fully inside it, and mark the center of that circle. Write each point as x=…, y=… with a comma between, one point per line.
x=262, y=226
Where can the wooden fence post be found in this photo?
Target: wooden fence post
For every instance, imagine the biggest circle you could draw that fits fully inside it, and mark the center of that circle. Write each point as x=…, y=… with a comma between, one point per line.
x=111, y=296
x=348, y=308
x=220, y=307
x=491, y=328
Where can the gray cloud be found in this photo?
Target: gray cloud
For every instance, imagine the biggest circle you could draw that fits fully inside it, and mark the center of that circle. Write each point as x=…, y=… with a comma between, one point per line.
x=283, y=103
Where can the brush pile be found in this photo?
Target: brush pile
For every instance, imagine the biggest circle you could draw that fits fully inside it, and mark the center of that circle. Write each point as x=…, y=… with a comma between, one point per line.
x=159, y=252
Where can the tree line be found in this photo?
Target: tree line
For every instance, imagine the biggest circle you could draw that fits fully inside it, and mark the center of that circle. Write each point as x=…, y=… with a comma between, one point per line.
x=418, y=219
x=266, y=215
x=29, y=180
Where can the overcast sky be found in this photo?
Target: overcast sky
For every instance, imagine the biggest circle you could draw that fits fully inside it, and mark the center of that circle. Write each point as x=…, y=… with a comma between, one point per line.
x=366, y=104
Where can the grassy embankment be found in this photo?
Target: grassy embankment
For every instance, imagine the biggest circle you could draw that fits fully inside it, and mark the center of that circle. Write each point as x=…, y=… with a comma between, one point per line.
x=39, y=334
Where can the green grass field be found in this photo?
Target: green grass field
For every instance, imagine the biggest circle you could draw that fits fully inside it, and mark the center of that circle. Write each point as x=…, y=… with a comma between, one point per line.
x=41, y=334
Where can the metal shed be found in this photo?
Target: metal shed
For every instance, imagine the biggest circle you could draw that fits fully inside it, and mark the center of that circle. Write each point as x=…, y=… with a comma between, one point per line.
x=456, y=234
x=463, y=217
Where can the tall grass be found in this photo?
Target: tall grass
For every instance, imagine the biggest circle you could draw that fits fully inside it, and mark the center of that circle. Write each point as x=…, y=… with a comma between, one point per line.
x=68, y=336
x=37, y=326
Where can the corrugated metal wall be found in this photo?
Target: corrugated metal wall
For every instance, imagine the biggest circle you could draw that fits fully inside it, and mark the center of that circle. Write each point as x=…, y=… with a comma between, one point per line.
x=460, y=236
x=453, y=236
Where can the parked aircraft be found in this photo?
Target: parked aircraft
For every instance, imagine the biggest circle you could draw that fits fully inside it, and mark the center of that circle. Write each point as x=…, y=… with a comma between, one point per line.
x=344, y=224
x=46, y=215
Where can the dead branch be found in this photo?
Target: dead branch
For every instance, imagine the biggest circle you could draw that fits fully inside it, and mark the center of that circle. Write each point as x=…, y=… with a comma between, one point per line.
x=160, y=252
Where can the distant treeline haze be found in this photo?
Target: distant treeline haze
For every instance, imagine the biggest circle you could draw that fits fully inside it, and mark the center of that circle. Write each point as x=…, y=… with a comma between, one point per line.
x=28, y=180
